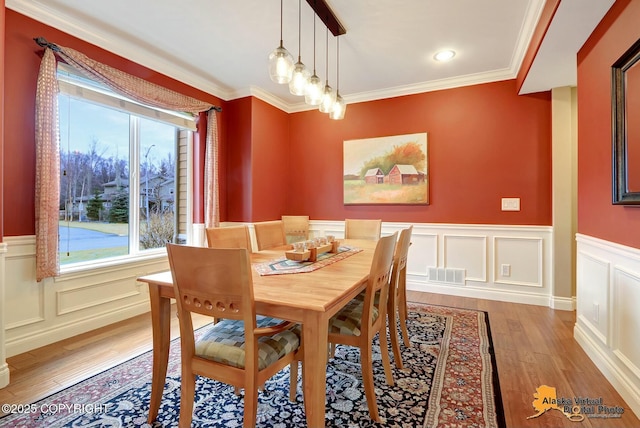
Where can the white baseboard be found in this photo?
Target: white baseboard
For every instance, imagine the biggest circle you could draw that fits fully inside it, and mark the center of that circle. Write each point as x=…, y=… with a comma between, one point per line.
x=467, y=291
x=4, y=375
x=59, y=332
x=610, y=369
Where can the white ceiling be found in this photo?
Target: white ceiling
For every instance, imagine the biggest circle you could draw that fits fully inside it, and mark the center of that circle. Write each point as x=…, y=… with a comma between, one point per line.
x=221, y=46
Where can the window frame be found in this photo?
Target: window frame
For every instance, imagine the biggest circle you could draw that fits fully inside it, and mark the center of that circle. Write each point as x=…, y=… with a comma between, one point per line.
x=75, y=86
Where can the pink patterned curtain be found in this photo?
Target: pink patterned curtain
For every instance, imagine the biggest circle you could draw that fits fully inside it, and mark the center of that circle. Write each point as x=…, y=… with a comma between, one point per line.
x=47, y=169
x=47, y=141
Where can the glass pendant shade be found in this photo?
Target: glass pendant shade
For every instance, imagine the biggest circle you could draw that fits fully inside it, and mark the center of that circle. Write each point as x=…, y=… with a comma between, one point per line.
x=299, y=79
x=328, y=99
x=339, y=108
x=313, y=91
x=280, y=65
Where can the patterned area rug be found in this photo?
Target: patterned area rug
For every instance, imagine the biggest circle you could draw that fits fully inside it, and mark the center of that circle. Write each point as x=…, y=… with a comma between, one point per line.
x=449, y=379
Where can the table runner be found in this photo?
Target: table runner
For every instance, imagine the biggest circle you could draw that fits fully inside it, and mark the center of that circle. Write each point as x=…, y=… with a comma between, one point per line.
x=283, y=265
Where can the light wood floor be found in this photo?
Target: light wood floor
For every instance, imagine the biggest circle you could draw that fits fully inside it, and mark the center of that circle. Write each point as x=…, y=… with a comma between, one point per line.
x=534, y=346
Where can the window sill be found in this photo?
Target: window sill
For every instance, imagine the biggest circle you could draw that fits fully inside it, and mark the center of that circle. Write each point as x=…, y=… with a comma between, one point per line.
x=113, y=264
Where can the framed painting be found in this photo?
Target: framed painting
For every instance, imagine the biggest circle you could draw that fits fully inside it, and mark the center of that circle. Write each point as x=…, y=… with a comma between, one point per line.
x=386, y=170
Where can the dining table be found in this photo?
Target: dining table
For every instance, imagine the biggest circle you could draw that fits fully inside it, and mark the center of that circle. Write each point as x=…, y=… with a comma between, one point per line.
x=309, y=298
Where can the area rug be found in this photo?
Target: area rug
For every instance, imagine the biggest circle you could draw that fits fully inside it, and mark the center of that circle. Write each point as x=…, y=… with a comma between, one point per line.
x=449, y=379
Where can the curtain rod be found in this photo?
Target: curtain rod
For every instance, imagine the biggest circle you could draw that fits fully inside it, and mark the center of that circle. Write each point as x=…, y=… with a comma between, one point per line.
x=41, y=41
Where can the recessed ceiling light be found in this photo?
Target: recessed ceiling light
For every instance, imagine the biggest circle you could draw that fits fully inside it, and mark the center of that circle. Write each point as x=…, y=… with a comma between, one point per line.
x=445, y=55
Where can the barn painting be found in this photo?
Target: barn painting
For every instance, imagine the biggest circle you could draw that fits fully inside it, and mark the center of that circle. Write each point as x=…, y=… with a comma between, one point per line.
x=386, y=170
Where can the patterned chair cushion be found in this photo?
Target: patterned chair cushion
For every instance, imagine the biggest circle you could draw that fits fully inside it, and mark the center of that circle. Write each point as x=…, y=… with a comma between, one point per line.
x=224, y=343
x=349, y=320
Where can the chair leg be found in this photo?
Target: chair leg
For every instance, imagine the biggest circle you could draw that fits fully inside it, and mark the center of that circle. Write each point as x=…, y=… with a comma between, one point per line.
x=384, y=352
x=293, y=380
x=402, y=308
x=250, y=407
x=187, y=396
x=393, y=331
x=367, y=381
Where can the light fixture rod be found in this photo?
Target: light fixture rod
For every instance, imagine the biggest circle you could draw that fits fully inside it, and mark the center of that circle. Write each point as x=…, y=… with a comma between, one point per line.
x=281, y=22
x=326, y=63
x=324, y=12
x=299, y=27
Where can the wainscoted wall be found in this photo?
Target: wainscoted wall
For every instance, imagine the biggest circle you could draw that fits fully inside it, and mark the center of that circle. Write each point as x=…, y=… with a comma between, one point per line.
x=37, y=314
x=481, y=251
x=608, y=319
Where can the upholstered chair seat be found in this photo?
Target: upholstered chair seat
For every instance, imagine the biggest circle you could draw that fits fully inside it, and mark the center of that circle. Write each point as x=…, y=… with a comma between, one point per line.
x=224, y=343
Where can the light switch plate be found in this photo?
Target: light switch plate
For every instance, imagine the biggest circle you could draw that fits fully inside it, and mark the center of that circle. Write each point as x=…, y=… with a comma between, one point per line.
x=510, y=204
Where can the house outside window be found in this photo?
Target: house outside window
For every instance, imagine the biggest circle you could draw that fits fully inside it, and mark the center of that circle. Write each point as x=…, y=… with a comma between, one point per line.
x=122, y=164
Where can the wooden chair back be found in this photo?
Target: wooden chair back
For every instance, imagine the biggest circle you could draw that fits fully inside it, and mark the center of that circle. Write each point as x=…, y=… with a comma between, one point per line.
x=397, y=303
x=218, y=282
x=362, y=229
x=375, y=296
x=229, y=237
x=296, y=227
x=270, y=234
x=379, y=278
x=212, y=281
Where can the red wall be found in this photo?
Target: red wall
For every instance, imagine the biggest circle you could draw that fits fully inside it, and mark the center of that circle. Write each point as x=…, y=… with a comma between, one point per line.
x=270, y=161
x=596, y=215
x=21, y=70
x=484, y=142
x=2, y=62
x=238, y=161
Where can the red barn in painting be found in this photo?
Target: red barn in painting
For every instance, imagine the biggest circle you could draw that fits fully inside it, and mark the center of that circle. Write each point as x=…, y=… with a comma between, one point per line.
x=374, y=176
x=405, y=174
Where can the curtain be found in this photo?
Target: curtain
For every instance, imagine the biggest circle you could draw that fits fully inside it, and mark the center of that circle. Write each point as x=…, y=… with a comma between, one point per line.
x=47, y=141
x=47, y=169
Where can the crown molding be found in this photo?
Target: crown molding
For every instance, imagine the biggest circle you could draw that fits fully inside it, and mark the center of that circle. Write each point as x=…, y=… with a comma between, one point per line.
x=132, y=50
x=122, y=46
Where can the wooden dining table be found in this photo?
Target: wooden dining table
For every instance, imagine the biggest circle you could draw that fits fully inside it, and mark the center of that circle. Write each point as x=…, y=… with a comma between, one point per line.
x=309, y=298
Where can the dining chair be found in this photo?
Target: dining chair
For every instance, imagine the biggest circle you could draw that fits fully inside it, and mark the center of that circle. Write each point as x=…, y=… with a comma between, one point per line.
x=243, y=350
x=296, y=228
x=362, y=229
x=361, y=319
x=229, y=237
x=397, y=301
x=270, y=234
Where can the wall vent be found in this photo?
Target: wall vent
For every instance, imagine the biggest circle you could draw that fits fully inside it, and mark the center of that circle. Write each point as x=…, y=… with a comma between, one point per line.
x=447, y=275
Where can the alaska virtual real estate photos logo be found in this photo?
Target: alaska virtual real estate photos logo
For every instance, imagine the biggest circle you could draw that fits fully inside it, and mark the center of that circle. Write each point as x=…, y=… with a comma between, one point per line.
x=574, y=408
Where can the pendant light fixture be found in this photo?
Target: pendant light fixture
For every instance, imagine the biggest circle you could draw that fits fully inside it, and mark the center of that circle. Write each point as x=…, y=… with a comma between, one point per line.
x=313, y=90
x=280, y=60
x=300, y=73
x=328, y=96
x=339, y=106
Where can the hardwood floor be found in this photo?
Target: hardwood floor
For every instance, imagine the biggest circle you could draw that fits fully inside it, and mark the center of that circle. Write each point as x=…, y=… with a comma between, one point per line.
x=534, y=346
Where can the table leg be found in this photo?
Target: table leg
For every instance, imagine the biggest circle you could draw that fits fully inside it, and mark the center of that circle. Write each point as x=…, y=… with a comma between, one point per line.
x=314, y=336
x=161, y=326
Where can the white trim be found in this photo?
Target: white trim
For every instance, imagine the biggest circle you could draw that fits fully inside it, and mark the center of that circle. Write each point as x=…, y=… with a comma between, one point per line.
x=629, y=392
x=45, y=336
x=4, y=367
x=615, y=317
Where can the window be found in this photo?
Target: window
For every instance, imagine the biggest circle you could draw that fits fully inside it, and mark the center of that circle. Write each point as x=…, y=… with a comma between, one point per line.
x=122, y=164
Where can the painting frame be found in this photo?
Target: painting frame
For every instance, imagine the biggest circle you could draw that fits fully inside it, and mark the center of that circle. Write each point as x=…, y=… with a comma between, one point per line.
x=391, y=170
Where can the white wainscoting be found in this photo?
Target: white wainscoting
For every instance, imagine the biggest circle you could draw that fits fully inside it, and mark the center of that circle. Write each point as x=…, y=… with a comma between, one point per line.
x=608, y=319
x=480, y=250
x=39, y=313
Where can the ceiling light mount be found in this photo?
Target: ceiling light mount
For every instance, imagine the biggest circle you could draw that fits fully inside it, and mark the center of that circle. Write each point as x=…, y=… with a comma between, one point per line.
x=324, y=12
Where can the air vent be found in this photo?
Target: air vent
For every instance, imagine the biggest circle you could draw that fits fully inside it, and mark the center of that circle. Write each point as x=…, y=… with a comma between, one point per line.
x=447, y=275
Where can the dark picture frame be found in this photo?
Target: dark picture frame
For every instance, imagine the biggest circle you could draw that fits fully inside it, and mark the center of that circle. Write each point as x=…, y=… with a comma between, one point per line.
x=625, y=108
